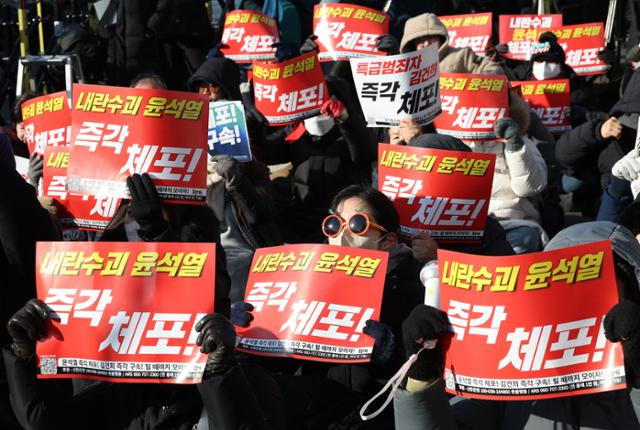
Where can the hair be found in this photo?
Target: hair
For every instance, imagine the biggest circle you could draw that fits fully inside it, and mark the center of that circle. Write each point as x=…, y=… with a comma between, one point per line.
x=152, y=77
x=16, y=108
x=382, y=209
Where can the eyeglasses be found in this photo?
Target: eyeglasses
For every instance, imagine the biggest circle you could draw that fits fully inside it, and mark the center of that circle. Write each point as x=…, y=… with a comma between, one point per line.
x=358, y=224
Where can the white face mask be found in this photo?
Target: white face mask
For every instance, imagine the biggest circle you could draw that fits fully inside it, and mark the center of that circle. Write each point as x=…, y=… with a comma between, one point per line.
x=354, y=241
x=319, y=125
x=543, y=71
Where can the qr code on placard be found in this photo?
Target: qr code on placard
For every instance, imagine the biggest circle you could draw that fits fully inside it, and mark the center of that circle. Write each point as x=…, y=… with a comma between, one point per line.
x=48, y=366
x=450, y=380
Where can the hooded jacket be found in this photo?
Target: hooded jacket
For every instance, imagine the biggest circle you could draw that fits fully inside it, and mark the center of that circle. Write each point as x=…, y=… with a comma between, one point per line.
x=452, y=60
x=219, y=71
x=428, y=409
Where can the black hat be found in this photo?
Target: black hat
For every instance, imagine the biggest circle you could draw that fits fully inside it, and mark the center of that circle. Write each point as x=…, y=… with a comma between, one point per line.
x=547, y=49
x=439, y=141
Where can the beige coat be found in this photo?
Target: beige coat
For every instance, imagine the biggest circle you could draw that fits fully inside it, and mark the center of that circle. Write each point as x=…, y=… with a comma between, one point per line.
x=452, y=60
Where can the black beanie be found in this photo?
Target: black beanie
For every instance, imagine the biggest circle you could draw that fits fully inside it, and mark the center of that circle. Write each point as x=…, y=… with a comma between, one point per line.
x=548, y=49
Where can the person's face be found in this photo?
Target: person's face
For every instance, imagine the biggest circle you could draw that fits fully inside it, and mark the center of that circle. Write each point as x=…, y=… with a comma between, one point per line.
x=423, y=42
x=394, y=136
x=148, y=84
x=20, y=131
x=372, y=239
x=213, y=91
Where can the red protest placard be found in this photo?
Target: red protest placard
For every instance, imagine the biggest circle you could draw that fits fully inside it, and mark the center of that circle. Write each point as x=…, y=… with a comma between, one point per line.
x=471, y=104
x=129, y=130
x=125, y=311
x=536, y=320
x=74, y=210
x=348, y=31
x=550, y=100
x=47, y=121
x=312, y=301
x=469, y=31
x=289, y=91
x=249, y=35
x=519, y=31
x=445, y=193
x=582, y=43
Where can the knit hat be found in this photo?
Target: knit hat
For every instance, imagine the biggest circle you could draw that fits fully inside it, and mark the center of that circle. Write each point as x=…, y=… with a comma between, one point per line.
x=547, y=49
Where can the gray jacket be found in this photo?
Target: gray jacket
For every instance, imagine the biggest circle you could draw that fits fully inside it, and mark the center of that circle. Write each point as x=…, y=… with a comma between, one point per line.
x=432, y=409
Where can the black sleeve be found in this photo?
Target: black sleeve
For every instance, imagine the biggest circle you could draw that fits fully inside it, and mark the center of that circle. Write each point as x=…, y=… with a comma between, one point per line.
x=39, y=404
x=23, y=222
x=363, y=148
x=581, y=145
x=254, y=198
x=232, y=403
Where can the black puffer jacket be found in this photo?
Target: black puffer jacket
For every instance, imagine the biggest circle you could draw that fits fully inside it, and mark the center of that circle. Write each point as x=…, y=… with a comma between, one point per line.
x=324, y=165
x=168, y=37
x=583, y=151
x=23, y=222
x=229, y=400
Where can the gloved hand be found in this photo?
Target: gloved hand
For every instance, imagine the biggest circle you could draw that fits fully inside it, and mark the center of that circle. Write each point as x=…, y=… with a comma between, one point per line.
x=309, y=45
x=607, y=55
x=508, y=129
x=146, y=207
x=628, y=167
x=218, y=339
x=27, y=326
x=387, y=43
x=283, y=52
x=241, y=315
x=502, y=48
x=36, y=166
x=425, y=323
x=385, y=341
x=335, y=109
x=622, y=324
x=424, y=248
x=227, y=167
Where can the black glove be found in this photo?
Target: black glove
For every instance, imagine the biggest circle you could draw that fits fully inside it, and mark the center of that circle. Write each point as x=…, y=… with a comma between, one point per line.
x=146, y=207
x=36, y=165
x=27, y=326
x=607, y=55
x=507, y=128
x=216, y=51
x=502, y=48
x=241, y=314
x=425, y=323
x=309, y=45
x=218, y=339
x=385, y=341
x=228, y=168
x=622, y=323
x=284, y=51
x=387, y=43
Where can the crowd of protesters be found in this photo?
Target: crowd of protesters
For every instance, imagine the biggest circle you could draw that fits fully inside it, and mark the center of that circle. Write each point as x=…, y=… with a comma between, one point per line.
x=330, y=161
